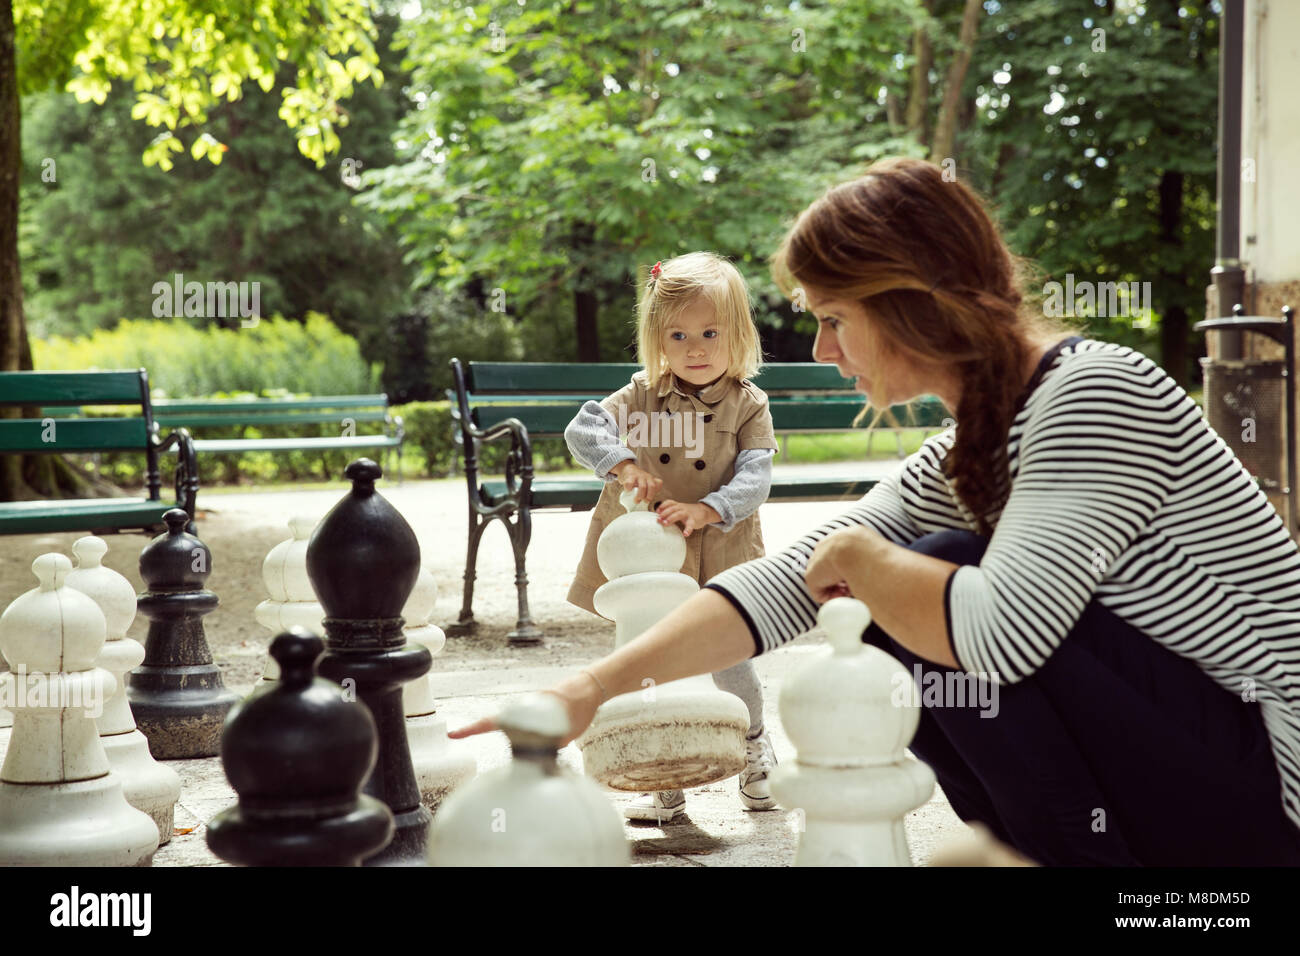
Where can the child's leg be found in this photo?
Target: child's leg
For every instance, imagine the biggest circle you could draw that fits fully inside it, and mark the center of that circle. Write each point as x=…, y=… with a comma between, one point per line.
x=742, y=680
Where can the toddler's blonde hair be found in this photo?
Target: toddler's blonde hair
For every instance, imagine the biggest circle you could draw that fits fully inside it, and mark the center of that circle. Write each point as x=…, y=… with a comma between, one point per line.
x=680, y=282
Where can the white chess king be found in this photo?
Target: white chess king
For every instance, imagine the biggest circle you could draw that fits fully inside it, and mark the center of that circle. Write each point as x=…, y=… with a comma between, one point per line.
x=664, y=737
x=850, y=714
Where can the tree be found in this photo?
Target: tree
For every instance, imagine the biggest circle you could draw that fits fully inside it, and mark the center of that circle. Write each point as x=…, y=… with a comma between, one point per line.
x=556, y=151
x=181, y=60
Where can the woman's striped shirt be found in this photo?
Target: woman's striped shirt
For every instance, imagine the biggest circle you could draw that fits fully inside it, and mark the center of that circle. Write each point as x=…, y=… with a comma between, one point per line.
x=1120, y=492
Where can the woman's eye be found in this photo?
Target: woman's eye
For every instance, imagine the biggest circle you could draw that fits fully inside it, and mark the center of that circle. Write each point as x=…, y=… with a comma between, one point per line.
x=833, y=323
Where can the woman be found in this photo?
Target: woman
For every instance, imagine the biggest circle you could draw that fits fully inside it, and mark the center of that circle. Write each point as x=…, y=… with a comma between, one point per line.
x=1081, y=539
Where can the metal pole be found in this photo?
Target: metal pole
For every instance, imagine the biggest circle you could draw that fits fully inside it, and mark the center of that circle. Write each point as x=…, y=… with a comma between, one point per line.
x=1227, y=276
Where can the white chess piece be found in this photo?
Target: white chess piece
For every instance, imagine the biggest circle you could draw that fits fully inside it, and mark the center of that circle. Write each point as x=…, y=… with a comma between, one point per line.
x=664, y=737
x=440, y=765
x=148, y=785
x=60, y=804
x=850, y=713
x=292, y=602
x=530, y=812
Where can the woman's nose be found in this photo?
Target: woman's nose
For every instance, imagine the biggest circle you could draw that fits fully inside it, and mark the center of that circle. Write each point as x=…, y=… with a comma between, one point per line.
x=825, y=348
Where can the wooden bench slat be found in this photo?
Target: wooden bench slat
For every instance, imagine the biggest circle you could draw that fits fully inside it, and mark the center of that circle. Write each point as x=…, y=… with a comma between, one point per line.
x=565, y=492
x=199, y=420
x=73, y=435
x=80, y=514
x=545, y=376
x=71, y=388
x=176, y=406
x=229, y=446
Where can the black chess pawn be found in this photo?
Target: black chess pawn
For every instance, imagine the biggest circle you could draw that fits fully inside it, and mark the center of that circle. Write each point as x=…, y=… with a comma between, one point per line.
x=296, y=752
x=177, y=695
x=363, y=560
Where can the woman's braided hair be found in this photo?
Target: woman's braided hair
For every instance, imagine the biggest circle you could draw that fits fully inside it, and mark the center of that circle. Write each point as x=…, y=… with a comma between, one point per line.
x=925, y=260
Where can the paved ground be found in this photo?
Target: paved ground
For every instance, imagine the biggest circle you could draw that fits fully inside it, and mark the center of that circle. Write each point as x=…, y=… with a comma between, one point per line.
x=473, y=674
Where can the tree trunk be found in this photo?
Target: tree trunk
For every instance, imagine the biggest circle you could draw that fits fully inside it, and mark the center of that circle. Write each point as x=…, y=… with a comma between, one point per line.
x=585, y=312
x=918, y=98
x=945, y=127
x=1173, y=321
x=22, y=477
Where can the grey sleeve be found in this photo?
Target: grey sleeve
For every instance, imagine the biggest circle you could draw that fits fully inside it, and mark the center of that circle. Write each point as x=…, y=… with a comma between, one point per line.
x=592, y=438
x=740, y=497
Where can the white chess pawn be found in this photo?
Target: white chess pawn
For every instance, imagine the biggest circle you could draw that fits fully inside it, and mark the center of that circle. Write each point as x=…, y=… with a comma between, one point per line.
x=530, y=812
x=850, y=713
x=667, y=737
x=148, y=785
x=440, y=764
x=292, y=602
x=60, y=804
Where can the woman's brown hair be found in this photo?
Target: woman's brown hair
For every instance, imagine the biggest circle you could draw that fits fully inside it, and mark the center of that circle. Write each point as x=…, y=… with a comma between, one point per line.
x=923, y=257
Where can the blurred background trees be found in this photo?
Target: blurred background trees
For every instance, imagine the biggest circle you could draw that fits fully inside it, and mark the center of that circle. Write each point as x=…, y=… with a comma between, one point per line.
x=504, y=191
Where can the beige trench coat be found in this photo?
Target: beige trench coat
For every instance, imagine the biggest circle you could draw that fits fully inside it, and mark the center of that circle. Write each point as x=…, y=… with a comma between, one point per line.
x=734, y=417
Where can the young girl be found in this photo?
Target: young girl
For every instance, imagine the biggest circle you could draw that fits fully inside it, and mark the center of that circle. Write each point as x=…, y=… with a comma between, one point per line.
x=708, y=472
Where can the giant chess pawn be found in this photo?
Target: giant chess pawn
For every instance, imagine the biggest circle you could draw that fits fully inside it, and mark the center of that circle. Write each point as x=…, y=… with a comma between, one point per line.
x=850, y=713
x=363, y=560
x=177, y=694
x=531, y=812
x=683, y=734
x=60, y=804
x=148, y=785
x=297, y=751
x=440, y=764
x=291, y=602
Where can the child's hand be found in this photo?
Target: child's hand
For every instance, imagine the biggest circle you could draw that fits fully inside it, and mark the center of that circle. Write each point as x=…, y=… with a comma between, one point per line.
x=689, y=517
x=631, y=477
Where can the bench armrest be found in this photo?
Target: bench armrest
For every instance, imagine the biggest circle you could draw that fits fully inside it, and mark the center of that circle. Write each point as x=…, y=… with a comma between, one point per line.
x=519, y=459
x=187, y=470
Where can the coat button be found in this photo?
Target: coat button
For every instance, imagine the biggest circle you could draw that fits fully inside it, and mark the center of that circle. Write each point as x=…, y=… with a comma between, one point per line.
x=665, y=458
x=707, y=419
x=699, y=465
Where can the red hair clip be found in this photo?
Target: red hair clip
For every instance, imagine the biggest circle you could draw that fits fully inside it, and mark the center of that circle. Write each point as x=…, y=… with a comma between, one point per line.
x=654, y=273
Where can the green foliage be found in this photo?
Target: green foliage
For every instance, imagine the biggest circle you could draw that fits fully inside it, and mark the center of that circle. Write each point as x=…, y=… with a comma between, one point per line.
x=183, y=58
x=275, y=357
x=557, y=148
x=99, y=229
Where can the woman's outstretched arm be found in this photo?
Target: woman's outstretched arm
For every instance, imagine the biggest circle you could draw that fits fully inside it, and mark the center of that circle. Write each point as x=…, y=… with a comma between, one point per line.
x=703, y=635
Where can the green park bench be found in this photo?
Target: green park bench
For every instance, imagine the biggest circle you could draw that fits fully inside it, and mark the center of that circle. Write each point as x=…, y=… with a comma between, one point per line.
x=64, y=429
x=343, y=412
x=528, y=400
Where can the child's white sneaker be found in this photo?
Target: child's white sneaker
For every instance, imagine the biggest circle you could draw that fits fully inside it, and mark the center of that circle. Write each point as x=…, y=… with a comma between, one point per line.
x=656, y=807
x=755, y=793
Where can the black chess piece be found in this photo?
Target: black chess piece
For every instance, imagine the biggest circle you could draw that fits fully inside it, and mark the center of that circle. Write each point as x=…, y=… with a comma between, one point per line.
x=177, y=695
x=296, y=751
x=363, y=560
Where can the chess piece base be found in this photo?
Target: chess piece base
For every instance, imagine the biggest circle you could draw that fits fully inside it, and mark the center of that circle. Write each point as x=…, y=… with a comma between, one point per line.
x=248, y=841
x=853, y=817
x=686, y=735
x=148, y=785
x=410, y=840
x=440, y=766
x=86, y=823
x=181, y=724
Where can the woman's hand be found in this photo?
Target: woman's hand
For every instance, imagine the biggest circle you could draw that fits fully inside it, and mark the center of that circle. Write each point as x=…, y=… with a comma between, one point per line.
x=688, y=516
x=837, y=559
x=581, y=696
x=631, y=477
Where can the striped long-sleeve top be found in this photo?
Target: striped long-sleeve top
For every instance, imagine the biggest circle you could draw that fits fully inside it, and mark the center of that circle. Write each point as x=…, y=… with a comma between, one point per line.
x=1120, y=493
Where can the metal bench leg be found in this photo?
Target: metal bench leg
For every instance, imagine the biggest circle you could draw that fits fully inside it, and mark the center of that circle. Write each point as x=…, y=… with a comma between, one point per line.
x=466, y=623
x=525, y=632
